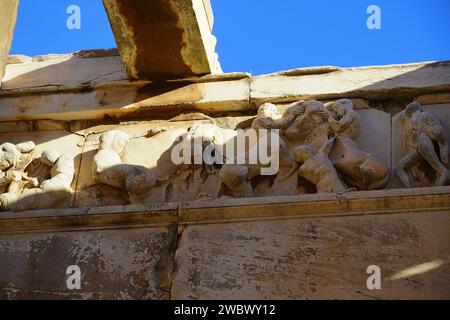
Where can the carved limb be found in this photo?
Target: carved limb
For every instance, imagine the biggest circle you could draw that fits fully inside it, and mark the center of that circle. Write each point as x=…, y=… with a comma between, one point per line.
x=341, y=125
x=426, y=150
x=318, y=169
x=367, y=169
x=443, y=150
x=266, y=121
x=401, y=166
x=107, y=168
x=26, y=147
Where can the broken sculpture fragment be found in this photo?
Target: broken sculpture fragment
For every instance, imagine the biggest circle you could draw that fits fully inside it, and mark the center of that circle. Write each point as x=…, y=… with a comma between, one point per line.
x=22, y=190
x=425, y=141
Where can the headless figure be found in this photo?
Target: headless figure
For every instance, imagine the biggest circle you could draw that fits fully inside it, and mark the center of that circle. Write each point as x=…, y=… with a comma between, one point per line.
x=318, y=169
x=360, y=169
x=422, y=130
x=108, y=168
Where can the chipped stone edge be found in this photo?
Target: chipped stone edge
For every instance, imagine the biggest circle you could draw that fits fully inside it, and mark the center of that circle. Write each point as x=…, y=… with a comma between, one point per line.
x=234, y=103
x=61, y=89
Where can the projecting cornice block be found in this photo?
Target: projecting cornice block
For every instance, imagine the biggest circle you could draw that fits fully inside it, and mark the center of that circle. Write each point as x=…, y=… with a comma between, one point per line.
x=164, y=39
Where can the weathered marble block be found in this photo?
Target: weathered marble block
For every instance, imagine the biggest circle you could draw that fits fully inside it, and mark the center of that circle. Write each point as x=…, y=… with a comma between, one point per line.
x=315, y=258
x=115, y=264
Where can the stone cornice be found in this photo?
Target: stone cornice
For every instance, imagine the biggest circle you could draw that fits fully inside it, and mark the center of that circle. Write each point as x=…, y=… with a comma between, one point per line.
x=227, y=210
x=99, y=98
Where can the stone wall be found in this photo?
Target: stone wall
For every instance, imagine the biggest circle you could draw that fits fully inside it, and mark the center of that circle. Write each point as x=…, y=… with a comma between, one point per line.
x=301, y=247
x=87, y=179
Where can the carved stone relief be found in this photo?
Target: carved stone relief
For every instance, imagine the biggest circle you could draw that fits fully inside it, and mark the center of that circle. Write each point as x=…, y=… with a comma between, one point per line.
x=359, y=169
x=317, y=148
x=427, y=152
x=107, y=168
x=308, y=133
x=29, y=183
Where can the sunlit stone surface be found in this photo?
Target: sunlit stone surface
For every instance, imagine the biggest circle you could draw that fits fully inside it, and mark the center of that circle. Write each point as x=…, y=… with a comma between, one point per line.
x=88, y=176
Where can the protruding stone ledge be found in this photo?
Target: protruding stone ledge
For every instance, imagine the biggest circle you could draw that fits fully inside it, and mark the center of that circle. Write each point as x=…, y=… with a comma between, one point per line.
x=130, y=100
x=98, y=218
x=226, y=210
x=316, y=206
x=438, y=98
x=39, y=94
x=164, y=38
x=62, y=70
x=375, y=82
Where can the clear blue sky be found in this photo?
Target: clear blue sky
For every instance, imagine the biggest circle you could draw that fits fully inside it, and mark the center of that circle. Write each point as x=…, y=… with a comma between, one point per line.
x=262, y=36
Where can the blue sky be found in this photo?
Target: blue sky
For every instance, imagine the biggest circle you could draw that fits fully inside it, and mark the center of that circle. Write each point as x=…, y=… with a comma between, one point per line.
x=263, y=36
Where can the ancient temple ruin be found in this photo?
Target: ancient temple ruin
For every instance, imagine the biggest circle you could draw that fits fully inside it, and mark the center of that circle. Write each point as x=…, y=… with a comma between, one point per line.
x=88, y=176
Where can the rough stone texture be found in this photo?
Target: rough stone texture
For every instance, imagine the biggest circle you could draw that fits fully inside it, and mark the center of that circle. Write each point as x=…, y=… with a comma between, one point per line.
x=163, y=39
x=115, y=264
x=314, y=259
x=128, y=100
x=304, y=246
x=389, y=88
x=15, y=126
x=313, y=246
x=436, y=98
x=441, y=111
x=8, y=16
x=361, y=82
x=224, y=210
x=63, y=70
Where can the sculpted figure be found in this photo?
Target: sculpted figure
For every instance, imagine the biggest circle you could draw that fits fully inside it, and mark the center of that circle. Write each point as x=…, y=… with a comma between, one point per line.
x=11, y=154
x=304, y=124
x=316, y=167
x=311, y=127
x=235, y=178
x=10, y=160
x=197, y=177
x=267, y=119
x=422, y=131
x=359, y=168
x=108, y=168
x=12, y=164
x=285, y=181
x=51, y=193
